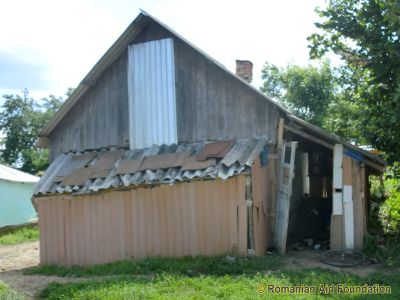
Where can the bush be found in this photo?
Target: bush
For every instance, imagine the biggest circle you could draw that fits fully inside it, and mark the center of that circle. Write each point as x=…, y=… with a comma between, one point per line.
x=388, y=199
x=384, y=223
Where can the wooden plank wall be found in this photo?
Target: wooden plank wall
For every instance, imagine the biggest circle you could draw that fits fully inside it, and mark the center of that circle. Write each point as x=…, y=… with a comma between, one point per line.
x=213, y=105
x=348, y=205
x=262, y=197
x=354, y=177
x=360, y=218
x=100, y=118
x=197, y=218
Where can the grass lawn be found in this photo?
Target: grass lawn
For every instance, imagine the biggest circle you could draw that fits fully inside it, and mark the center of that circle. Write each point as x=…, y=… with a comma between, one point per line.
x=20, y=235
x=172, y=286
x=6, y=293
x=203, y=278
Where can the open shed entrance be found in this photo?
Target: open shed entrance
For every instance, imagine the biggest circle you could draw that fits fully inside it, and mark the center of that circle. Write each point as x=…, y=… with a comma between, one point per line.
x=311, y=200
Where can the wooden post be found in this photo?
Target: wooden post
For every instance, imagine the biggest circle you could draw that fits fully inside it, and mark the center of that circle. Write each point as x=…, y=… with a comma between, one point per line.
x=336, y=230
x=337, y=209
x=284, y=196
x=305, y=173
x=348, y=214
x=280, y=132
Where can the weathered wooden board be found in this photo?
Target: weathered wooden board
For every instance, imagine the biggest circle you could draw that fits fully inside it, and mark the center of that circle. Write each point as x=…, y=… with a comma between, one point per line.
x=337, y=196
x=348, y=209
x=261, y=206
x=100, y=118
x=212, y=105
x=358, y=202
x=283, y=196
x=336, y=239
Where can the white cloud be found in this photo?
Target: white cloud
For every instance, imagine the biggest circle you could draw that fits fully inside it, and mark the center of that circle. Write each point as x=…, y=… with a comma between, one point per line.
x=68, y=37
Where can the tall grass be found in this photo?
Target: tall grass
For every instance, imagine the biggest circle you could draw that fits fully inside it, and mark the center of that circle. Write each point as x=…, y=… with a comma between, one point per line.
x=20, y=235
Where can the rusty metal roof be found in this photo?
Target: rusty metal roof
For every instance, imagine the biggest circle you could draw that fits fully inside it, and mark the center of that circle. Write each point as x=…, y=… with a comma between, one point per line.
x=91, y=171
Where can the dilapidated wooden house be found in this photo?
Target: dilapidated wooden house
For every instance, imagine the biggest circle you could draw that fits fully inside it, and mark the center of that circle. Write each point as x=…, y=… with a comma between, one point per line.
x=161, y=151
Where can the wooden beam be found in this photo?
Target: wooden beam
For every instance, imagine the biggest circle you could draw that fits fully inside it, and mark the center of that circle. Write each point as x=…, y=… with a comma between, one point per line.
x=348, y=214
x=308, y=136
x=375, y=166
x=337, y=208
x=280, y=132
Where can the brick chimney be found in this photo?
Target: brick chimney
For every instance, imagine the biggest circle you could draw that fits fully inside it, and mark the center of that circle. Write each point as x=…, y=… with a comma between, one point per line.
x=244, y=69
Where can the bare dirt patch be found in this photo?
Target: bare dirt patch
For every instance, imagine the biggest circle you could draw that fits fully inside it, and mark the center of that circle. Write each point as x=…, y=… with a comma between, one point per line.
x=309, y=259
x=32, y=285
x=20, y=256
x=15, y=258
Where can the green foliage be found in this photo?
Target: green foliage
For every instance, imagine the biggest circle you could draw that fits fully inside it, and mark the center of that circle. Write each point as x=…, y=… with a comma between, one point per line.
x=319, y=95
x=390, y=209
x=171, y=286
x=344, y=116
x=365, y=34
x=21, y=120
x=6, y=293
x=191, y=266
x=20, y=235
x=384, y=224
x=388, y=198
x=306, y=91
x=386, y=251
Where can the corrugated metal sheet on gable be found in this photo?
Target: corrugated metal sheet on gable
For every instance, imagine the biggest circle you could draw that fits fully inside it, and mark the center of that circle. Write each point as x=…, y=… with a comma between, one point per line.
x=165, y=164
x=151, y=92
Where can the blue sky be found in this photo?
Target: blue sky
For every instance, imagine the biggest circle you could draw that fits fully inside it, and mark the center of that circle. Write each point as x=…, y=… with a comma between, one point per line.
x=47, y=46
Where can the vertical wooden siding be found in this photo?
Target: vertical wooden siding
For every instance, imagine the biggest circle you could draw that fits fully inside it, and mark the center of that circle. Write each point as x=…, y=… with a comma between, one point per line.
x=262, y=202
x=359, y=211
x=197, y=218
x=212, y=105
x=100, y=118
x=353, y=176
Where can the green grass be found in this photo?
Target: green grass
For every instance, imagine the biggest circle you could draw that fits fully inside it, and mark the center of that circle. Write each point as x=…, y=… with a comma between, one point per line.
x=6, y=293
x=20, y=235
x=202, y=278
x=174, y=286
x=189, y=266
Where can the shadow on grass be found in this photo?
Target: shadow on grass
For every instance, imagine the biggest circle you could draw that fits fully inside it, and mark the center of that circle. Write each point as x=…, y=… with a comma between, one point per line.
x=190, y=266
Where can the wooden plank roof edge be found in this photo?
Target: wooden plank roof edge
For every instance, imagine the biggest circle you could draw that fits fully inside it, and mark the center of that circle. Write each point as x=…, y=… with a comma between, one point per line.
x=328, y=139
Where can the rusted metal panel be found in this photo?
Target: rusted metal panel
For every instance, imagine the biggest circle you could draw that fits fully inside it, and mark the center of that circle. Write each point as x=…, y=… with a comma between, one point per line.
x=193, y=164
x=216, y=150
x=78, y=177
x=151, y=91
x=106, y=160
x=164, y=161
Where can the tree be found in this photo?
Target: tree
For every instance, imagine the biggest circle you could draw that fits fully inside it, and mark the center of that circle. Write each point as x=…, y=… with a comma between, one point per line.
x=306, y=91
x=21, y=120
x=365, y=34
